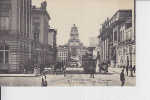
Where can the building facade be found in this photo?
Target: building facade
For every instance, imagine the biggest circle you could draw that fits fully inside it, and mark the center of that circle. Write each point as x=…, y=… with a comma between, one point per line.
x=75, y=46
x=117, y=40
x=40, y=29
x=23, y=36
x=53, y=45
x=93, y=42
x=63, y=55
x=15, y=34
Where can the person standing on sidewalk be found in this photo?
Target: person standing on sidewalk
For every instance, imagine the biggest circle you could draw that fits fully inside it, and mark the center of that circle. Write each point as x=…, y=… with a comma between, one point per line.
x=44, y=81
x=64, y=70
x=122, y=78
x=127, y=69
x=134, y=69
x=131, y=70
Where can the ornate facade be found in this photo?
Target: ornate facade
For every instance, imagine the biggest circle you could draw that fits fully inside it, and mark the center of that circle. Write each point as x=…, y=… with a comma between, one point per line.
x=40, y=30
x=63, y=55
x=23, y=35
x=117, y=40
x=15, y=34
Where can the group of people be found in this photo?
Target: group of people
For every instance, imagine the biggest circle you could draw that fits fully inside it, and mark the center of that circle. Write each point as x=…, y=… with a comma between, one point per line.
x=131, y=69
x=122, y=75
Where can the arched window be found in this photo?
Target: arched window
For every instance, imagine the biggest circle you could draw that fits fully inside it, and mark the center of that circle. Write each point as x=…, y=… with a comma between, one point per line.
x=4, y=54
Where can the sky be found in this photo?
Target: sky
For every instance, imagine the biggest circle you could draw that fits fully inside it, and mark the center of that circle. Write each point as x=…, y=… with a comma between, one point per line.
x=88, y=15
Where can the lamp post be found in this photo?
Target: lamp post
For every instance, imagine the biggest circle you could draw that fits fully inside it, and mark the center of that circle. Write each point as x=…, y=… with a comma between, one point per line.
x=130, y=50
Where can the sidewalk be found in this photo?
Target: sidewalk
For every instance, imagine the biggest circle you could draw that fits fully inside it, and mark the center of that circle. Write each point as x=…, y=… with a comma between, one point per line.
x=18, y=75
x=115, y=70
x=118, y=71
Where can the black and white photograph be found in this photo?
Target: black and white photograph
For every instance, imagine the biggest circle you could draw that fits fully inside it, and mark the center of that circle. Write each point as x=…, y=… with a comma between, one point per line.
x=67, y=43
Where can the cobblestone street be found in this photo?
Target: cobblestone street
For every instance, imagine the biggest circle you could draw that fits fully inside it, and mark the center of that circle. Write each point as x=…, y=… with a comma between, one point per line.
x=110, y=79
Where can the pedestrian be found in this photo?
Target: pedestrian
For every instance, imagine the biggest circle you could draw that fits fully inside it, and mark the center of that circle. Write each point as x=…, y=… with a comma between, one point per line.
x=122, y=78
x=92, y=73
x=64, y=70
x=42, y=84
x=44, y=81
x=93, y=67
x=131, y=71
x=127, y=69
x=44, y=75
x=99, y=65
x=134, y=69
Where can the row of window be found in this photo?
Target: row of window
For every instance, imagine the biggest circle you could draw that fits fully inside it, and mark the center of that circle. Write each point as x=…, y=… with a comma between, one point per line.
x=4, y=23
x=124, y=35
x=63, y=56
x=62, y=53
x=4, y=54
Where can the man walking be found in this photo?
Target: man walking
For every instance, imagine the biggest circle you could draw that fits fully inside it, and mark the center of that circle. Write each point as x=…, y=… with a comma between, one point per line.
x=122, y=78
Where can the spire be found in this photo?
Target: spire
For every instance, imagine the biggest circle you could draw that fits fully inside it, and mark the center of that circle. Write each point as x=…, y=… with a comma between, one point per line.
x=74, y=29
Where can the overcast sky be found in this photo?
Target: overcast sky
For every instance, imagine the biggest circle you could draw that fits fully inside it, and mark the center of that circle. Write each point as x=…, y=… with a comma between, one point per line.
x=86, y=14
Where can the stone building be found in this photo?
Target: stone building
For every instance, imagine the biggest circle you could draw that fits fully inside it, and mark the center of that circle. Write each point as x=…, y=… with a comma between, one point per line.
x=63, y=55
x=52, y=43
x=117, y=40
x=23, y=35
x=75, y=45
x=15, y=34
x=40, y=31
x=93, y=42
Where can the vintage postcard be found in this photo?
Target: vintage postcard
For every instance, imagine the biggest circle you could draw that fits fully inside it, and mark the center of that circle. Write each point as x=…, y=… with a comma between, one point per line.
x=67, y=43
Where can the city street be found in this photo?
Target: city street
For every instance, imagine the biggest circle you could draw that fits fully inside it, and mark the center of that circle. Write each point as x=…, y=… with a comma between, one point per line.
x=110, y=79
x=30, y=45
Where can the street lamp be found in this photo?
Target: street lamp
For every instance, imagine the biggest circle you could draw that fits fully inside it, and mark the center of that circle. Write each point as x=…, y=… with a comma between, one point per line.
x=130, y=50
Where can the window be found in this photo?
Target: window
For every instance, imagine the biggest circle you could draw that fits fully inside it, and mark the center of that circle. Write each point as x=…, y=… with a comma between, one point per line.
x=4, y=54
x=36, y=36
x=115, y=36
x=4, y=23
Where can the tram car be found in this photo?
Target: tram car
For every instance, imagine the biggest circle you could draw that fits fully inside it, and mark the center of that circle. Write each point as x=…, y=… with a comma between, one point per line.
x=89, y=64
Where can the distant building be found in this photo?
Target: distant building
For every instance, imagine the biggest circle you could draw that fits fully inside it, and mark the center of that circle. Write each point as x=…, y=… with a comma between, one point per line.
x=15, y=34
x=83, y=52
x=52, y=37
x=93, y=41
x=74, y=44
x=63, y=55
x=52, y=43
